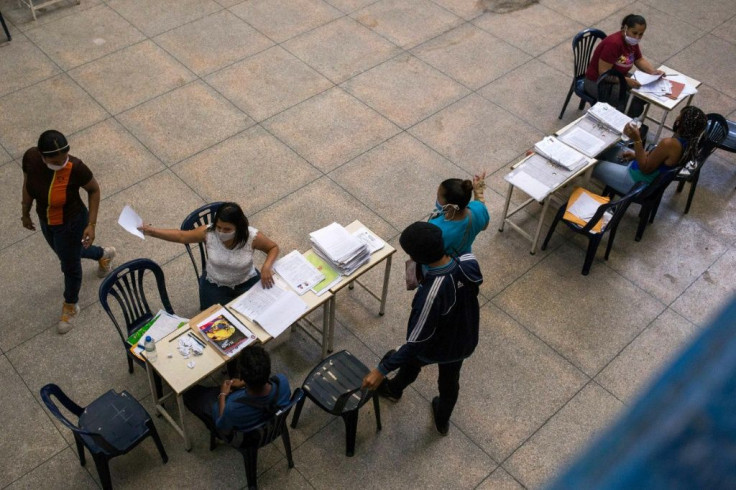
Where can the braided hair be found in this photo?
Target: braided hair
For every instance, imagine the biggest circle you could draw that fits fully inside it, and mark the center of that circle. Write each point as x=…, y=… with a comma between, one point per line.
x=690, y=127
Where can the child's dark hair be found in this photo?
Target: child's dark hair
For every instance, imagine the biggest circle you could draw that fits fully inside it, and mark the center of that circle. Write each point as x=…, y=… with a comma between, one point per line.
x=457, y=191
x=255, y=366
x=52, y=143
x=632, y=20
x=230, y=212
x=693, y=122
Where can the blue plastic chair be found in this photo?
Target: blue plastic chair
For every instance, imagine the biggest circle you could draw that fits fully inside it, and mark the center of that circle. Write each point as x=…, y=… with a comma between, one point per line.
x=582, y=49
x=110, y=426
x=199, y=217
x=125, y=285
x=249, y=441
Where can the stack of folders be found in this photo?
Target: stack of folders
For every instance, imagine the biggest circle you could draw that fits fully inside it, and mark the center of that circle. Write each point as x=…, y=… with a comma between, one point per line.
x=339, y=248
x=609, y=116
x=558, y=152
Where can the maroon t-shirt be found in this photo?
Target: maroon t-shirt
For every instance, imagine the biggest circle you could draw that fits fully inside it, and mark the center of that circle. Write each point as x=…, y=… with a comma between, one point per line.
x=56, y=192
x=613, y=49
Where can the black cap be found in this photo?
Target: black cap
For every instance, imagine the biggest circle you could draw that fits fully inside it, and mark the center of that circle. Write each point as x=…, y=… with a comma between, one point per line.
x=423, y=242
x=52, y=142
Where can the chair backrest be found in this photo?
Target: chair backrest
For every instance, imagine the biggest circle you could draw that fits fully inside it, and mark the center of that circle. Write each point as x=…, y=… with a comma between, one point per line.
x=655, y=190
x=92, y=440
x=616, y=209
x=125, y=284
x=204, y=215
x=716, y=131
x=265, y=432
x=605, y=89
x=582, y=49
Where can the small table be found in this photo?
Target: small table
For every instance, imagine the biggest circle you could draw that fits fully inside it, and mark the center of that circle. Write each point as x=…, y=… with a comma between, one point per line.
x=377, y=257
x=664, y=103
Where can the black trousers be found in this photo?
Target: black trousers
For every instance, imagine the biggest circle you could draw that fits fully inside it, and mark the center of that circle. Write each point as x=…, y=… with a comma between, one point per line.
x=199, y=400
x=448, y=383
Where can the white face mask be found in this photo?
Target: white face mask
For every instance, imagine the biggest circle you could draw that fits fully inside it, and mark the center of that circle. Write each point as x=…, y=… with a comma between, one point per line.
x=223, y=236
x=631, y=41
x=57, y=167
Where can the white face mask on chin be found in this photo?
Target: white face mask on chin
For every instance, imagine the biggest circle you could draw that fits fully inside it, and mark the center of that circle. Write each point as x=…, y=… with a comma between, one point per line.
x=57, y=167
x=631, y=41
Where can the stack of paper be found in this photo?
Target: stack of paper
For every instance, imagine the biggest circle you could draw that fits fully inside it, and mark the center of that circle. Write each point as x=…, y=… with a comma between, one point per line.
x=609, y=116
x=161, y=325
x=341, y=249
x=298, y=272
x=226, y=332
x=559, y=153
x=332, y=277
x=584, y=141
x=274, y=309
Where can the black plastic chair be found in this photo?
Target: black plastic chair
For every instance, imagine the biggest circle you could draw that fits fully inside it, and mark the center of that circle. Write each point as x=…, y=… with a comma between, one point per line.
x=334, y=386
x=125, y=284
x=110, y=426
x=582, y=49
x=605, y=89
x=715, y=132
x=729, y=143
x=615, y=211
x=249, y=441
x=5, y=27
x=201, y=216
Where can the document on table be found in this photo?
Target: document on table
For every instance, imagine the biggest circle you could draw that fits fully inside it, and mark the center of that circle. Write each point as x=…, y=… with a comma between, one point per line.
x=537, y=177
x=561, y=154
x=583, y=141
x=298, y=272
x=130, y=221
x=274, y=309
x=609, y=116
x=369, y=239
x=645, y=78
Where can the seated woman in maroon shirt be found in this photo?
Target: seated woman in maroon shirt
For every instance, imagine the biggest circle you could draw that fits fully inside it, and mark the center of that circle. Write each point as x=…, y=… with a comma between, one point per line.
x=620, y=51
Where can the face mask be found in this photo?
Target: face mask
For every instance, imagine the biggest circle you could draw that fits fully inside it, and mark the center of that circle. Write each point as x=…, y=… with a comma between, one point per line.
x=57, y=167
x=225, y=236
x=631, y=41
x=438, y=206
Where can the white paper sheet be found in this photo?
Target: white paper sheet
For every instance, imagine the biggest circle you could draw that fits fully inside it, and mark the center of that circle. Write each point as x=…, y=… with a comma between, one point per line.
x=274, y=309
x=645, y=78
x=369, y=239
x=300, y=274
x=529, y=185
x=130, y=221
x=584, y=207
x=583, y=141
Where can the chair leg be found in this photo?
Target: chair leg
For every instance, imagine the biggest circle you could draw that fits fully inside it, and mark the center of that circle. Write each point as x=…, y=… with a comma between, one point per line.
x=158, y=385
x=250, y=461
x=567, y=100
x=611, y=236
x=593, y=242
x=552, y=227
x=213, y=440
x=643, y=218
x=377, y=409
x=287, y=446
x=130, y=364
x=351, y=427
x=653, y=209
x=103, y=470
x=680, y=186
x=693, y=185
x=581, y=105
x=297, y=412
x=157, y=440
x=80, y=449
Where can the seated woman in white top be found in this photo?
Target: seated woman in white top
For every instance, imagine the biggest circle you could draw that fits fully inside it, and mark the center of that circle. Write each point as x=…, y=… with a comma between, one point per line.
x=230, y=242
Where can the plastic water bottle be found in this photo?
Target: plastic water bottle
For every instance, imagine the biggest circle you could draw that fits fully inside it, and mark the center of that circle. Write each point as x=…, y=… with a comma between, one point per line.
x=635, y=123
x=150, y=347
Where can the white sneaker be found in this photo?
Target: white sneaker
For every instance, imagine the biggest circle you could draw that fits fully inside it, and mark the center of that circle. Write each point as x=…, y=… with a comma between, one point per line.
x=105, y=263
x=68, y=313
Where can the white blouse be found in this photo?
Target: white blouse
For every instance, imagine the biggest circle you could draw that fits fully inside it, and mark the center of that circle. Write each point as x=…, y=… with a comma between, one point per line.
x=226, y=267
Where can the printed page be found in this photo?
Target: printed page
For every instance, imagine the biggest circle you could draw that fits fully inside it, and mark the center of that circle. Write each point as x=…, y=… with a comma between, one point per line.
x=583, y=141
x=298, y=272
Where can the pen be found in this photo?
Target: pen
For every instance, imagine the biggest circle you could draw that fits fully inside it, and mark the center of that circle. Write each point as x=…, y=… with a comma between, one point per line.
x=196, y=339
x=179, y=335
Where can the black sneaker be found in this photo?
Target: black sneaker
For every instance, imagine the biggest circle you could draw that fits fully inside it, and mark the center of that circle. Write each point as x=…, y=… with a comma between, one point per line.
x=442, y=429
x=385, y=391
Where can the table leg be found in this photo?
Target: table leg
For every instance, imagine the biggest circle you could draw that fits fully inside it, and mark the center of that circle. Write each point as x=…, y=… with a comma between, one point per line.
x=628, y=102
x=661, y=125
x=535, y=242
x=331, y=305
x=506, y=206
x=152, y=385
x=180, y=403
x=384, y=293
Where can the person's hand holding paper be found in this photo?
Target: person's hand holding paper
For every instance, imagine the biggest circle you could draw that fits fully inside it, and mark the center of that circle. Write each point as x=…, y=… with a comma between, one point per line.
x=130, y=221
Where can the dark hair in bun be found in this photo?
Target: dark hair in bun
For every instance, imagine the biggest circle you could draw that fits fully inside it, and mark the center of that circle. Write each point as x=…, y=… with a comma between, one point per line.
x=457, y=191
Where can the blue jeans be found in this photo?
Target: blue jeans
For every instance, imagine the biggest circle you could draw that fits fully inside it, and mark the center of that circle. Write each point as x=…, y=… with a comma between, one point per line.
x=212, y=294
x=613, y=173
x=66, y=241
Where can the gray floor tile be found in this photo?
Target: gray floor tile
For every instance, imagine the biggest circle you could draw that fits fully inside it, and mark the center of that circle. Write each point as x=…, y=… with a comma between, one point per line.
x=5, y=157
x=70, y=41
x=262, y=170
x=61, y=471
x=477, y=134
x=118, y=88
x=405, y=90
x=20, y=16
x=542, y=28
x=543, y=84
x=156, y=17
x=276, y=80
x=701, y=301
x=11, y=183
x=500, y=480
x=389, y=178
x=24, y=64
x=330, y=128
x=470, y=55
x=727, y=30
x=705, y=15
x=524, y=382
x=587, y=13
x=116, y=158
x=341, y=49
x=588, y=327
x=406, y=23
x=695, y=62
x=44, y=106
x=348, y=6
x=564, y=435
x=27, y=430
x=213, y=42
x=184, y=122
x=643, y=359
x=467, y=9
x=408, y=435
x=284, y=19
x=711, y=100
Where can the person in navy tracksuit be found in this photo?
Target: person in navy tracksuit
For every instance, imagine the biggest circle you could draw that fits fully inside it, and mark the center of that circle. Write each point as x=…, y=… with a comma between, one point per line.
x=443, y=325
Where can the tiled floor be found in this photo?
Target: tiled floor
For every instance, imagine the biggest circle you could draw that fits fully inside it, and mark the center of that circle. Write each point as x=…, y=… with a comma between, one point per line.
x=313, y=111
